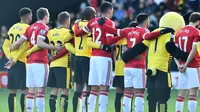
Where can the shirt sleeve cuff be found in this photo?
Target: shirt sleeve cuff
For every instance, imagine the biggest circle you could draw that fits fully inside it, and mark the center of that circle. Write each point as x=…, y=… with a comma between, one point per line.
x=195, y=43
x=85, y=29
x=24, y=37
x=107, y=35
x=42, y=37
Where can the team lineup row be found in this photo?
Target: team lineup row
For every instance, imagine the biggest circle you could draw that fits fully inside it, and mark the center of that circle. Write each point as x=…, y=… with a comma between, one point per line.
x=96, y=45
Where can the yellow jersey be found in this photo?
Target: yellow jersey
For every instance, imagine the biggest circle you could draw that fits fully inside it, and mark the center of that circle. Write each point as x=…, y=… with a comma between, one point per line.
x=14, y=33
x=59, y=36
x=82, y=49
x=158, y=57
x=119, y=64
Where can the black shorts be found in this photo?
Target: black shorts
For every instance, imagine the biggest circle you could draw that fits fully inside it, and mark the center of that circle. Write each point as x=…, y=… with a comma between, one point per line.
x=159, y=86
x=118, y=81
x=59, y=77
x=17, y=76
x=81, y=69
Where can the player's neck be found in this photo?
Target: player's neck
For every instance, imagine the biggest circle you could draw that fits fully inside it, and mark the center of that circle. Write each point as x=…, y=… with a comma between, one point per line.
x=23, y=21
x=192, y=24
x=105, y=15
x=41, y=21
x=63, y=26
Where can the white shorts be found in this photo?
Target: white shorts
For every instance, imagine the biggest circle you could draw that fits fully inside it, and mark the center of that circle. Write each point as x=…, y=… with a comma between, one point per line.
x=134, y=77
x=37, y=75
x=189, y=79
x=100, y=71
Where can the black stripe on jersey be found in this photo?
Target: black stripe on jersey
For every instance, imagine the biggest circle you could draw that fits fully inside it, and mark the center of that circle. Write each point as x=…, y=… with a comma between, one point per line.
x=156, y=44
x=169, y=63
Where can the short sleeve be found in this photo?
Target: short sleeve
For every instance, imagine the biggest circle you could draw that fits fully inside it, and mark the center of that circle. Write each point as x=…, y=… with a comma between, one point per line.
x=146, y=42
x=25, y=35
x=43, y=33
x=196, y=38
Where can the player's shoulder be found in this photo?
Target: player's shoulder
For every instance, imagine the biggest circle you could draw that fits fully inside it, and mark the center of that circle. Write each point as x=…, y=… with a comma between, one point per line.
x=109, y=22
x=82, y=23
x=18, y=27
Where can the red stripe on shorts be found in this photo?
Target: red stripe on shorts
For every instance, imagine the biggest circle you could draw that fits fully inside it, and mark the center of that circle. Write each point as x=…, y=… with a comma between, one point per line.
x=143, y=77
x=46, y=74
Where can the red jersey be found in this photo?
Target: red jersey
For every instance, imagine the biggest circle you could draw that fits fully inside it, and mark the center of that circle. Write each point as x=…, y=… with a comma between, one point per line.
x=34, y=31
x=99, y=35
x=184, y=39
x=135, y=36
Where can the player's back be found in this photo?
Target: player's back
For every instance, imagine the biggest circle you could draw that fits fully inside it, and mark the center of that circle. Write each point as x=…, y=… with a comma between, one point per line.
x=81, y=46
x=134, y=36
x=57, y=36
x=99, y=36
x=158, y=57
x=185, y=39
x=14, y=33
x=34, y=31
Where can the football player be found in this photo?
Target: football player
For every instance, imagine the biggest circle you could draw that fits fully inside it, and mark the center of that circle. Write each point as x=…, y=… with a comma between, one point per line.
x=17, y=73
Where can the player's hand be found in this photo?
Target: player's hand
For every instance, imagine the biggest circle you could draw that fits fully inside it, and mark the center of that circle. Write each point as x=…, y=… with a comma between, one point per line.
x=9, y=64
x=182, y=68
x=105, y=48
x=51, y=58
x=167, y=30
x=77, y=21
x=101, y=21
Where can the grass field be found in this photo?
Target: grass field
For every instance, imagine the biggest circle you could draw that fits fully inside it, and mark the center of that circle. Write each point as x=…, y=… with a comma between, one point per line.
x=171, y=104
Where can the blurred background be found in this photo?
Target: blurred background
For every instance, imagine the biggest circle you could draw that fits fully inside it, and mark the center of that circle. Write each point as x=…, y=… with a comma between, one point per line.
x=124, y=12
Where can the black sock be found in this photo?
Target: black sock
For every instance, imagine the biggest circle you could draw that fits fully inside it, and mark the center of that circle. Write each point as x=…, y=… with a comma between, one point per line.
x=22, y=102
x=75, y=100
x=63, y=103
x=152, y=106
x=52, y=103
x=118, y=102
x=11, y=102
x=162, y=106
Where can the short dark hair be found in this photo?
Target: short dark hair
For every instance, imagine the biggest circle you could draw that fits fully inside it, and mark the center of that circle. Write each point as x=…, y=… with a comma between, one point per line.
x=88, y=12
x=133, y=24
x=105, y=6
x=142, y=17
x=194, y=17
x=186, y=17
x=63, y=16
x=41, y=13
x=24, y=11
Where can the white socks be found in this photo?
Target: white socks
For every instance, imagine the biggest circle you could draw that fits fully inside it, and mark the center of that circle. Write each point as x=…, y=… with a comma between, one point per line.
x=192, y=103
x=92, y=101
x=40, y=102
x=30, y=102
x=103, y=101
x=127, y=101
x=139, y=102
x=179, y=104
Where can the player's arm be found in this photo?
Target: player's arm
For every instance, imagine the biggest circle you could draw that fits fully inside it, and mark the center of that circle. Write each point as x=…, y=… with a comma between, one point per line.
x=79, y=32
x=156, y=34
x=18, y=43
x=70, y=47
x=135, y=51
x=6, y=48
x=92, y=44
x=22, y=50
x=42, y=44
x=192, y=54
x=32, y=50
x=60, y=54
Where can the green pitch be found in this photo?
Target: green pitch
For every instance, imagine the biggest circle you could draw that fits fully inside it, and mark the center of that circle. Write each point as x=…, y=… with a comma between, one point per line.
x=4, y=106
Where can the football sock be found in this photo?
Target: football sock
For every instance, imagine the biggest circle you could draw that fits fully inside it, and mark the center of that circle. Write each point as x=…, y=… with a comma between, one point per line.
x=30, y=102
x=84, y=101
x=152, y=106
x=63, y=103
x=22, y=102
x=179, y=104
x=92, y=100
x=162, y=106
x=127, y=101
x=11, y=102
x=40, y=102
x=118, y=102
x=52, y=103
x=76, y=97
x=139, y=102
x=192, y=103
x=103, y=100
